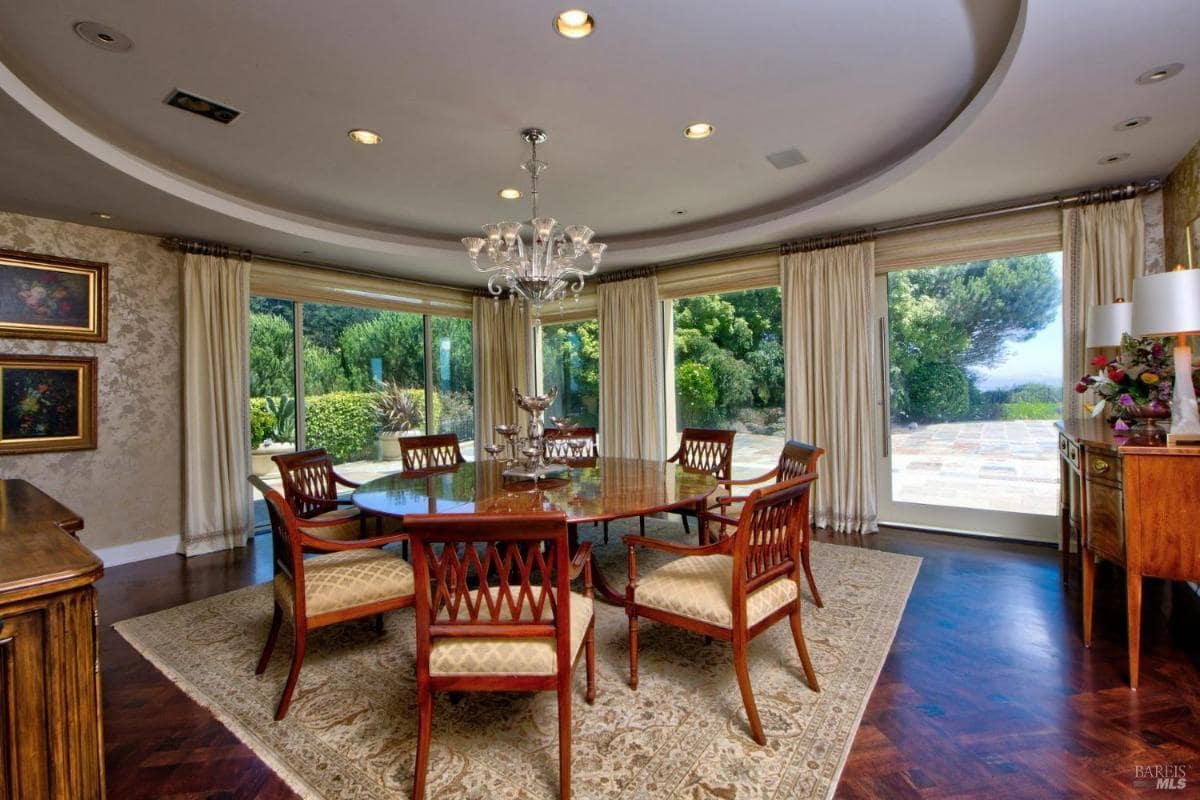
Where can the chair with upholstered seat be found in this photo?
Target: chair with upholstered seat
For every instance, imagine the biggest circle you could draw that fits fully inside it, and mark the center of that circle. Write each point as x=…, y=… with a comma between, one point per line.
x=732, y=589
x=430, y=452
x=495, y=613
x=795, y=460
x=310, y=486
x=346, y=580
x=709, y=450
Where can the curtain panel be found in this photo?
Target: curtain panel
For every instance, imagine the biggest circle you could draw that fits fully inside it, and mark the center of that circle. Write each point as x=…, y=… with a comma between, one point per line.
x=502, y=363
x=631, y=369
x=216, y=380
x=830, y=381
x=1103, y=251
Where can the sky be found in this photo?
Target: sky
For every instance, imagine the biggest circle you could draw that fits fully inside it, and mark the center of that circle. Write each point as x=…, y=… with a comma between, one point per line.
x=1038, y=360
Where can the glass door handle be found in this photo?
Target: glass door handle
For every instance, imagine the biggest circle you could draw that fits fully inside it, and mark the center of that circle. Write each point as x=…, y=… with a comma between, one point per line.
x=884, y=389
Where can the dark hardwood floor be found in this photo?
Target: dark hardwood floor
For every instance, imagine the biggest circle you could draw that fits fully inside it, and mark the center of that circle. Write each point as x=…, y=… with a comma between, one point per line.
x=987, y=691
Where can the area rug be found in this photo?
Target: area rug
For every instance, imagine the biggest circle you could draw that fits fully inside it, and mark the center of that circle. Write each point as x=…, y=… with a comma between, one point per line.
x=351, y=731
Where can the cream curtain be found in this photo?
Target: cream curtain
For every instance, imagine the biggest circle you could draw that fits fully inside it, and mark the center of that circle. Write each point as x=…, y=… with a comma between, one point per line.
x=631, y=369
x=502, y=361
x=1103, y=251
x=216, y=431
x=830, y=392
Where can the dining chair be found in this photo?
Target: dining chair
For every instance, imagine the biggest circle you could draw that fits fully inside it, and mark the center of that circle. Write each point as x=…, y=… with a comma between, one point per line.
x=430, y=452
x=709, y=450
x=558, y=444
x=310, y=486
x=732, y=589
x=495, y=613
x=795, y=459
x=346, y=580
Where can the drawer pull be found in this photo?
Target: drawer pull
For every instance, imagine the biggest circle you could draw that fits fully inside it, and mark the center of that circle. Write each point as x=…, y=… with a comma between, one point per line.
x=1100, y=466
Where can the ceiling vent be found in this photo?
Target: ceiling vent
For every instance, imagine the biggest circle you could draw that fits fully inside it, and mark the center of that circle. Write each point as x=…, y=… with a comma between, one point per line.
x=204, y=107
x=791, y=157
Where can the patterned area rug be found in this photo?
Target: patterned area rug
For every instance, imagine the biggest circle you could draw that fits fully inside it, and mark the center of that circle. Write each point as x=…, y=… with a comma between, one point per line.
x=351, y=731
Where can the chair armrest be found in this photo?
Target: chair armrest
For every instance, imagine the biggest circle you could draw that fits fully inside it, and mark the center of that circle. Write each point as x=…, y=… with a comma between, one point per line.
x=729, y=500
x=308, y=542
x=750, y=481
x=716, y=548
x=308, y=498
x=345, y=481
x=582, y=563
x=708, y=516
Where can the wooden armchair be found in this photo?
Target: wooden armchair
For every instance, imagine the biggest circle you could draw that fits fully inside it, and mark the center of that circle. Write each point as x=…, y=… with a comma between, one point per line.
x=310, y=487
x=795, y=460
x=558, y=444
x=732, y=589
x=430, y=452
x=495, y=613
x=708, y=450
x=349, y=580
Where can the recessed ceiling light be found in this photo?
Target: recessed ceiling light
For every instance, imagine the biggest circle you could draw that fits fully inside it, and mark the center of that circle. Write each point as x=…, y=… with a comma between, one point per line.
x=1131, y=123
x=510, y=194
x=364, y=136
x=101, y=215
x=1114, y=158
x=306, y=252
x=680, y=212
x=1160, y=74
x=104, y=37
x=574, y=24
x=698, y=130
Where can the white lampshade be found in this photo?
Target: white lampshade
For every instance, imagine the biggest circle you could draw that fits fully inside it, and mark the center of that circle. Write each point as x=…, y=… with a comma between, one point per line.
x=1167, y=304
x=1106, y=324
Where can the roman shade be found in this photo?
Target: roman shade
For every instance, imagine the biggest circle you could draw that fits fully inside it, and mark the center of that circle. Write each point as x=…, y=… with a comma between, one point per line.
x=999, y=236
x=715, y=277
x=315, y=285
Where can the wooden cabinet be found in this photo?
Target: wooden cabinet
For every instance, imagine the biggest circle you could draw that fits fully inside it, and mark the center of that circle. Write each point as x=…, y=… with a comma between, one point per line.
x=50, y=731
x=1139, y=507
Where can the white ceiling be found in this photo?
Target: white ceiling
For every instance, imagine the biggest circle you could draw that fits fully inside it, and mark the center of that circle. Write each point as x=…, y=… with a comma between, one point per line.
x=902, y=110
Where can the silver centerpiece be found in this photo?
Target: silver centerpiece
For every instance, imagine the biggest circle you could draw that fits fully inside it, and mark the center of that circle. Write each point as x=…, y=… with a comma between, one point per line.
x=532, y=446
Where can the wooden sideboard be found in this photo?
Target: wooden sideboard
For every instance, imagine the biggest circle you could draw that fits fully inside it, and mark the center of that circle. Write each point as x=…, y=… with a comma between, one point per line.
x=1134, y=504
x=50, y=732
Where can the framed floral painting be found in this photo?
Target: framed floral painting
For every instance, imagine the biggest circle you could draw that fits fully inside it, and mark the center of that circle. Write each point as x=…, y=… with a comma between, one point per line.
x=47, y=403
x=45, y=297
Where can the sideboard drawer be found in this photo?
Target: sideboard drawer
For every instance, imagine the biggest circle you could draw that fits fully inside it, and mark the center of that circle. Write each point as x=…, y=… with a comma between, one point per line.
x=1106, y=520
x=1102, y=465
x=1069, y=450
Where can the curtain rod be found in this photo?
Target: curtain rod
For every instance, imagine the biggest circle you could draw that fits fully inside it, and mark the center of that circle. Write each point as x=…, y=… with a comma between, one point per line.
x=200, y=248
x=1090, y=197
x=626, y=274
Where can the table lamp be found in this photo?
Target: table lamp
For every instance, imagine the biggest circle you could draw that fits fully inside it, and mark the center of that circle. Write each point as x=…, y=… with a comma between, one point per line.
x=1107, y=323
x=1168, y=304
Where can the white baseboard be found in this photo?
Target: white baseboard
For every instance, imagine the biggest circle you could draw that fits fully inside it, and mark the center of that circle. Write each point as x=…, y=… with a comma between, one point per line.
x=138, y=551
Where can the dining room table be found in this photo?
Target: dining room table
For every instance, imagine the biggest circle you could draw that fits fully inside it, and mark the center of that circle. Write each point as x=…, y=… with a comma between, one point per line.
x=589, y=490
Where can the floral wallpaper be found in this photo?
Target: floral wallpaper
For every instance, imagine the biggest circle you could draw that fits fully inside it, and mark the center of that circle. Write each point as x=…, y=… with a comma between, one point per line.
x=130, y=488
x=1181, y=204
x=1152, y=213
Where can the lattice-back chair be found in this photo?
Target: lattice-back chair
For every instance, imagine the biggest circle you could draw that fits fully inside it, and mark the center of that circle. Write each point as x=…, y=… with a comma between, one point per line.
x=558, y=444
x=795, y=460
x=732, y=589
x=430, y=452
x=347, y=580
x=710, y=450
x=310, y=486
x=495, y=613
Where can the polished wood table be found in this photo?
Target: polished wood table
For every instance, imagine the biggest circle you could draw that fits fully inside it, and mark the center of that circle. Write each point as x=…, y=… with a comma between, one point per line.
x=1136, y=504
x=594, y=490
x=22, y=503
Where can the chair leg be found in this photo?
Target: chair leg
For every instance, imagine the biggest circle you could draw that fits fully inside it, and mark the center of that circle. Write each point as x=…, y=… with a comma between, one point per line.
x=589, y=652
x=687, y=530
x=633, y=651
x=379, y=623
x=293, y=673
x=606, y=531
x=564, y=739
x=812, y=584
x=642, y=526
x=424, y=729
x=802, y=649
x=743, y=679
x=276, y=621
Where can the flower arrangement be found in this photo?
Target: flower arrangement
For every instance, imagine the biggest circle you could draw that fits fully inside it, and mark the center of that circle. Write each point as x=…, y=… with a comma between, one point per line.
x=1137, y=383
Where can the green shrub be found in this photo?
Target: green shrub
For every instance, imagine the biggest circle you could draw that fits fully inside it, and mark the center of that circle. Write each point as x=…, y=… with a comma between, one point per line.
x=1031, y=409
x=697, y=391
x=262, y=422
x=343, y=423
x=938, y=392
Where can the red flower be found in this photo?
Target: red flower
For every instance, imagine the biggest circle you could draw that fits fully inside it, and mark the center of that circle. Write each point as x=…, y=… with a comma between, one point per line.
x=1099, y=361
x=1116, y=374
x=1081, y=387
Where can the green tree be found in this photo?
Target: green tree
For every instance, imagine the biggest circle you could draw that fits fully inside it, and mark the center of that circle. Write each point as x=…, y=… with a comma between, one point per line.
x=957, y=317
x=398, y=338
x=271, y=366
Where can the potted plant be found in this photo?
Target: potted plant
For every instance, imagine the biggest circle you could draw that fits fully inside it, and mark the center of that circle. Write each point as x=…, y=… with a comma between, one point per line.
x=397, y=414
x=272, y=431
x=1134, y=388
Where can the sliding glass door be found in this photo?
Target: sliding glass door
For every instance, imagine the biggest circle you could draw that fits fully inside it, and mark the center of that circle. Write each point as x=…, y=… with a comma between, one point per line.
x=971, y=357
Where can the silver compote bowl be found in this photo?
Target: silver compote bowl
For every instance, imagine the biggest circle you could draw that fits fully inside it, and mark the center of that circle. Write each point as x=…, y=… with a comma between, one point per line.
x=535, y=403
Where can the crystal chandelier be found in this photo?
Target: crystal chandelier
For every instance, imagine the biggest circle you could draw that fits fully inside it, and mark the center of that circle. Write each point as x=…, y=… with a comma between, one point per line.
x=544, y=269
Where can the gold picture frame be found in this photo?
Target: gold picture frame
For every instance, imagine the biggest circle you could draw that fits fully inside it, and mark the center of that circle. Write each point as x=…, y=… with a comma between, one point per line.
x=47, y=404
x=47, y=297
